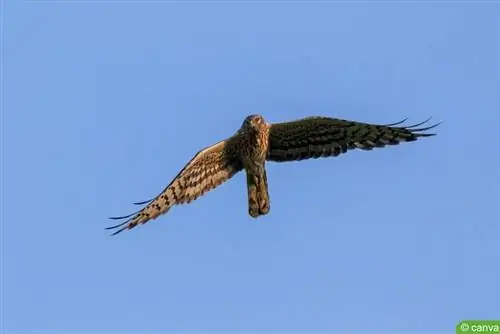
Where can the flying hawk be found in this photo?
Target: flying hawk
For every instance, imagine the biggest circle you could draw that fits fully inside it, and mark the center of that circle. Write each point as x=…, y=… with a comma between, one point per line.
x=257, y=142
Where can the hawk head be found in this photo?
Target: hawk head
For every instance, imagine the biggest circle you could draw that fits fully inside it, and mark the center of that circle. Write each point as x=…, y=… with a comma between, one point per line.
x=254, y=123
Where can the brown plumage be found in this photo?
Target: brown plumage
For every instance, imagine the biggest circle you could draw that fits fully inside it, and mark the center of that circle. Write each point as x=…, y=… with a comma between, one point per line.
x=258, y=195
x=257, y=142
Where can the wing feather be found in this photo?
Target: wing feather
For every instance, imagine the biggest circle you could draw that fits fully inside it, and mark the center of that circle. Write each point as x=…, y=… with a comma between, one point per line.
x=315, y=137
x=208, y=169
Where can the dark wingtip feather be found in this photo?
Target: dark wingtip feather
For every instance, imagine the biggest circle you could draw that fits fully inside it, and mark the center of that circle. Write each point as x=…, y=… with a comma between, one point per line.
x=144, y=202
x=121, y=224
x=115, y=226
x=127, y=216
x=397, y=123
x=122, y=217
x=426, y=128
x=120, y=230
x=418, y=124
x=426, y=134
x=417, y=131
x=118, y=225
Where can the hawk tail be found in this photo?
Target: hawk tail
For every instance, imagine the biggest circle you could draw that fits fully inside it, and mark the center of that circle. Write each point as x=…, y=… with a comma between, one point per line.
x=258, y=195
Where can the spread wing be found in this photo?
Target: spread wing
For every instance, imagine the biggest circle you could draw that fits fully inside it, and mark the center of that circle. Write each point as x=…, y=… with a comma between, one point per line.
x=315, y=137
x=208, y=169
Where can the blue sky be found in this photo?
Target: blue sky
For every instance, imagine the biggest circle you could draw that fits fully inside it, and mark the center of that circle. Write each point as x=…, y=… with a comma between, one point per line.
x=103, y=103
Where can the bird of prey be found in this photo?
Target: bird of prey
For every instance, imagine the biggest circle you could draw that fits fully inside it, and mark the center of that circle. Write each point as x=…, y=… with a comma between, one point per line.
x=257, y=142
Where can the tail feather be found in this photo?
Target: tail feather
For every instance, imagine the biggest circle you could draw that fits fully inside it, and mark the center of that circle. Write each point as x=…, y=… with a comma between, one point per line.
x=258, y=195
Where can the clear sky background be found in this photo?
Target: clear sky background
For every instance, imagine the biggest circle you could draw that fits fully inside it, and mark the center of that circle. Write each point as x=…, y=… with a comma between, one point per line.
x=104, y=102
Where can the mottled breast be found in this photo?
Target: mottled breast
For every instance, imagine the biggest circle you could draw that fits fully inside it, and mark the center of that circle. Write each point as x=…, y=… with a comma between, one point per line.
x=255, y=149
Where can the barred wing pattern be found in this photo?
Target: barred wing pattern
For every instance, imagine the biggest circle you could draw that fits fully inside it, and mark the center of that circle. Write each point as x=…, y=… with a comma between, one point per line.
x=315, y=137
x=208, y=169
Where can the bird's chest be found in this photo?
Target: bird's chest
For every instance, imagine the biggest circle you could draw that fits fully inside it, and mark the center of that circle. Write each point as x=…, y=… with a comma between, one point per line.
x=255, y=151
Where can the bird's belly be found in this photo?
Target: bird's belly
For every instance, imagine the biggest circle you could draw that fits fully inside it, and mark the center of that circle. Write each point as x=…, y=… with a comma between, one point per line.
x=254, y=166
